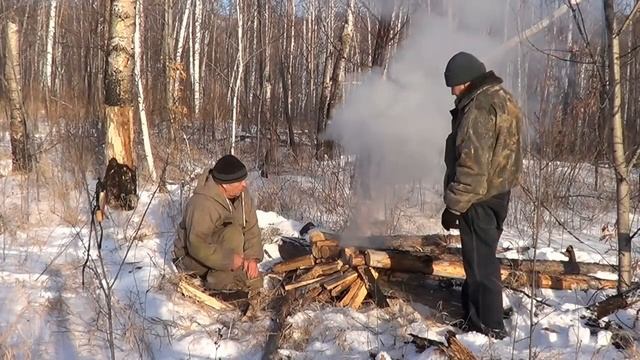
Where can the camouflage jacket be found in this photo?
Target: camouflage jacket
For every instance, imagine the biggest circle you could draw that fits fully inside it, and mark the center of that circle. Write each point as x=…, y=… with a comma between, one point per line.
x=482, y=154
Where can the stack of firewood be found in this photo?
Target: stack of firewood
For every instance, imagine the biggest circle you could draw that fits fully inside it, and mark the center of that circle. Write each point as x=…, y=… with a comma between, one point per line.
x=333, y=272
x=348, y=274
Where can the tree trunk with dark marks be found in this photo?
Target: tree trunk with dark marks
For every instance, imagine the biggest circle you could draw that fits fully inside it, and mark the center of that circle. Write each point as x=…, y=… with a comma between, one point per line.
x=20, y=155
x=120, y=176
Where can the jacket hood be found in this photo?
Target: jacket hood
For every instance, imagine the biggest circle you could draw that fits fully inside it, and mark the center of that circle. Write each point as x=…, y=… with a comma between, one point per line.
x=207, y=187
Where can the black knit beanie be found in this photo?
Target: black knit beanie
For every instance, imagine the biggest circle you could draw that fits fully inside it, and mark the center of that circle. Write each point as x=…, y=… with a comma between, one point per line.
x=462, y=68
x=228, y=169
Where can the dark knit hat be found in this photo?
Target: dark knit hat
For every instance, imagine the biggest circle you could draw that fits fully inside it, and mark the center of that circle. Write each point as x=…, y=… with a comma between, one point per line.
x=462, y=68
x=228, y=169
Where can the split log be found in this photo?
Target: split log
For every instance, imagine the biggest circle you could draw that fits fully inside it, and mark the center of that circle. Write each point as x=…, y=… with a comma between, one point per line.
x=359, y=296
x=347, y=277
x=339, y=289
x=370, y=278
x=455, y=349
x=192, y=292
x=322, y=269
x=355, y=287
x=301, y=262
x=352, y=256
x=302, y=283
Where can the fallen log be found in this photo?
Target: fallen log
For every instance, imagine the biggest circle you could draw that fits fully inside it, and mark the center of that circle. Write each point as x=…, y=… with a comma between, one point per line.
x=398, y=261
x=451, y=266
x=616, y=302
x=439, y=245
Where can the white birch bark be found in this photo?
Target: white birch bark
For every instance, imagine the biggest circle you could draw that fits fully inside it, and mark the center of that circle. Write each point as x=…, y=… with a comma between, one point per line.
x=619, y=158
x=183, y=31
x=236, y=86
x=51, y=30
x=144, y=127
x=20, y=157
x=197, y=43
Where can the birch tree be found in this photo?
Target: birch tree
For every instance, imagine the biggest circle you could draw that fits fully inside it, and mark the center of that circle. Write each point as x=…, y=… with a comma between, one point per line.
x=144, y=127
x=20, y=156
x=238, y=75
x=197, y=43
x=337, y=77
x=120, y=176
x=623, y=192
x=51, y=31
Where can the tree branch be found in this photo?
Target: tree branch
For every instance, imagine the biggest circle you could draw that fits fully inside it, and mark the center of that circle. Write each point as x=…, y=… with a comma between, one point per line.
x=635, y=156
x=627, y=21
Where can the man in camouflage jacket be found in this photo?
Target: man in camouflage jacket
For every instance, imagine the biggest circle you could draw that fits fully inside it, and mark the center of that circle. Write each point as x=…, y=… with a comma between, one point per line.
x=218, y=237
x=483, y=159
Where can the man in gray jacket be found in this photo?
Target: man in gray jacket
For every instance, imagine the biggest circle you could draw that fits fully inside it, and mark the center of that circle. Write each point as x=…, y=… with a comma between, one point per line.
x=219, y=238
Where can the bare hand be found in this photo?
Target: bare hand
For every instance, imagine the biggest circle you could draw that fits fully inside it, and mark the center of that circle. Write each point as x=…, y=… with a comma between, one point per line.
x=251, y=268
x=238, y=261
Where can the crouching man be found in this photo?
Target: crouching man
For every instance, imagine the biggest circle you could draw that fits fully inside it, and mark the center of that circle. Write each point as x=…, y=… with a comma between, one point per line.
x=218, y=237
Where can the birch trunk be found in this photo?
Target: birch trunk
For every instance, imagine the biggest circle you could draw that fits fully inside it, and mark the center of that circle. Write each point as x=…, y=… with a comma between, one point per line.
x=144, y=127
x=120, y=176
x=170, y=79
x=236, y=86
x=338, y=70
x=270, y=121
x=20, y=156
x=50, y=40
x=619, y=158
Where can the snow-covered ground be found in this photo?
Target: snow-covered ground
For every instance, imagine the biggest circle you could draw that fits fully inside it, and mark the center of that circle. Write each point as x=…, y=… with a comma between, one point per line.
x=52, y=304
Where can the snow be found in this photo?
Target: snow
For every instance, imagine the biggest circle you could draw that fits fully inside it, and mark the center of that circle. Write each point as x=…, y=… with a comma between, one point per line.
x=46, y=311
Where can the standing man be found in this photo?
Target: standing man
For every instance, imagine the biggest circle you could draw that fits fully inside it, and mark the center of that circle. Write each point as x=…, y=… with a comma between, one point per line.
x=219, y=238
x=483, y=159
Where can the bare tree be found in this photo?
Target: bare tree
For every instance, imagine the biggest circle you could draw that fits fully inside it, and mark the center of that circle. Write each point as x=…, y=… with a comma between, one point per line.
x=20, y=155
x=623, y=193
x=238, y=75
x=120, y=176
x=144, y=126
x=51, y=31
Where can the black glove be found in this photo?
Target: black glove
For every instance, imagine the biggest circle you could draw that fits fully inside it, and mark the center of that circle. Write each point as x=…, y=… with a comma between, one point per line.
x=450, y=220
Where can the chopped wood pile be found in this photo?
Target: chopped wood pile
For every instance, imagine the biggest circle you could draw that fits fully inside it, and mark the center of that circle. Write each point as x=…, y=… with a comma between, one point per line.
x=348, y=275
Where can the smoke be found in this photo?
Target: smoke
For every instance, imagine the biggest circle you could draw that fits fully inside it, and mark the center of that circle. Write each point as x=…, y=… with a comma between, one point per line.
x=396, y=125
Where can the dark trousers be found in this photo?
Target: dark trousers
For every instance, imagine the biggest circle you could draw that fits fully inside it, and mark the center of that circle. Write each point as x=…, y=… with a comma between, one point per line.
x=480, y=231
